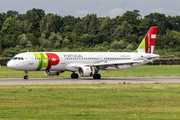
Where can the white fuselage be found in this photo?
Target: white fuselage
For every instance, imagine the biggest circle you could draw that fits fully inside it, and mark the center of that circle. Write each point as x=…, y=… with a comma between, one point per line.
x=65, y=61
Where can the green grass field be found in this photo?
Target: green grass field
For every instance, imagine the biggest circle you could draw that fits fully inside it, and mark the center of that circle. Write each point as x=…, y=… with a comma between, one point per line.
x=82, y=102
x=145, y=70
x=100, y=101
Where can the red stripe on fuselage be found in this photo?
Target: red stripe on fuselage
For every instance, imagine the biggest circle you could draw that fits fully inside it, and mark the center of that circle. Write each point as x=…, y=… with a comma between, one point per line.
x=53, y=60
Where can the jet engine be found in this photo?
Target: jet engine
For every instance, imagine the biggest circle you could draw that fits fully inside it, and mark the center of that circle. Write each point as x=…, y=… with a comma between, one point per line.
x=52, y=73
x=86, y=71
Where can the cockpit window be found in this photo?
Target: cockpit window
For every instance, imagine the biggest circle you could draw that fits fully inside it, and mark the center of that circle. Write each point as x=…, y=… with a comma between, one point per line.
x=18, y=58
x=15, y=58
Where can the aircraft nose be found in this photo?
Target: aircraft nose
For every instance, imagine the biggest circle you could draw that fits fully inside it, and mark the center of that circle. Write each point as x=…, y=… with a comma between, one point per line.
x=10, y=64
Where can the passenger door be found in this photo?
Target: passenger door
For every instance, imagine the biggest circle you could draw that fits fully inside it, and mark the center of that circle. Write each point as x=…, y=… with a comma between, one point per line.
x=62, y=59
x=100, y=58
x=31, y=60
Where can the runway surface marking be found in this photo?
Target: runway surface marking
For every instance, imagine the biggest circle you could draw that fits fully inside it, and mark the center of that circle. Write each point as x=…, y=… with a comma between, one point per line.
x=88, y=80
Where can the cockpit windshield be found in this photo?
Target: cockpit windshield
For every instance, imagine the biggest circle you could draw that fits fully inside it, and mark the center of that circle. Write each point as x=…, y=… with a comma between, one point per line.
x=18, y=58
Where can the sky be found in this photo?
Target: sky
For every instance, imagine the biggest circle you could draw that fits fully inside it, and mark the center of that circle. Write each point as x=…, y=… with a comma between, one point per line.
x=103, y=8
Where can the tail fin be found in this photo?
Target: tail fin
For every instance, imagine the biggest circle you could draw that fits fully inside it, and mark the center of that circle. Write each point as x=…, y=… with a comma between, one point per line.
x=147, y=44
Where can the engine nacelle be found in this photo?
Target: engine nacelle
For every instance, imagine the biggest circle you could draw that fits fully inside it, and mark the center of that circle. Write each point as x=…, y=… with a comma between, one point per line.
x=86, y=71
x=52, y=73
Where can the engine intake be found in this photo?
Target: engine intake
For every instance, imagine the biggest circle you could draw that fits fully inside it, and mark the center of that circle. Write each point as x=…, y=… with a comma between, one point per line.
x=86, y=71
x=52, y=73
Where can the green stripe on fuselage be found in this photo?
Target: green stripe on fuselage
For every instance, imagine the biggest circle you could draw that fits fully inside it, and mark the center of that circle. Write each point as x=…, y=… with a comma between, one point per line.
x=38, y=56
x=42, y=60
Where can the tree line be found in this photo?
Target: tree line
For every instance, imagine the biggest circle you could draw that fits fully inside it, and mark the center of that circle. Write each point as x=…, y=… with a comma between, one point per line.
x=37, y=31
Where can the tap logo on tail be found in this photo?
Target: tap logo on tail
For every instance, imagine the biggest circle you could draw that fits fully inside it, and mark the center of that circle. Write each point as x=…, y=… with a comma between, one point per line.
x=147, y=44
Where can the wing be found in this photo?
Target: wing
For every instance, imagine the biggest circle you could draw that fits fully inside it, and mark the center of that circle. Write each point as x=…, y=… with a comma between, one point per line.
x=119, y=62
x=110, y=63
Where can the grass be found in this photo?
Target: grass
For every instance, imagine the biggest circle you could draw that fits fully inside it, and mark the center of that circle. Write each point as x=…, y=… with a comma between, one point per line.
x=145, y=70
x=100, y=101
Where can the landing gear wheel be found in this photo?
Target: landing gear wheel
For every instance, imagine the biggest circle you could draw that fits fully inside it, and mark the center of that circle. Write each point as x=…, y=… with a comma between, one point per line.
x=74, y=76
x=97, y=76
x=26, y=75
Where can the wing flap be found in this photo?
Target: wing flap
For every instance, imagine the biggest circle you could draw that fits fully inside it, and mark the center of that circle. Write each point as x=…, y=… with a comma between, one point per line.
x=108, y=63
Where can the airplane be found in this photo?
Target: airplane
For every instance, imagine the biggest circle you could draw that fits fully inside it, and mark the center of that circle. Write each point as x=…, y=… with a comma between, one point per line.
x=85, y=63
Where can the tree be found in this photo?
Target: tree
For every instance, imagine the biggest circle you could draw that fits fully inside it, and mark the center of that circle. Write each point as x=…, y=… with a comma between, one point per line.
x=24, y=42
x=10, y=52
x=44, y=43
x=130, y=38
x=0, y=45
x=32, y=39
x=55, y=40
x=1, y=23
x=33, y=18
x=132, y=17
x=124, y=29
x=65, y=42
x=50, y=22
x=68, y=23
x=9, y=41
x=89, y=40
x=22, y=17
x=58, y=41
x=92, y=29
x=79, y=28
x=39, y=12
x=9, y=26
x=24, y=26
x=157, y=19
x=106, y=26
x=11, y=13
x=3, y=17
x=88, y=24
x=117, y=45
x=29, y=44
x=103, y=37
x=130, y=47
x=10, y=32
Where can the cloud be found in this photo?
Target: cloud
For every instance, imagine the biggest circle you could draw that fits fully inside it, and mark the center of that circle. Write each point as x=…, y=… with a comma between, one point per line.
x=115, y=12
x=165, y=11
x=160, y=10
x=82, y=12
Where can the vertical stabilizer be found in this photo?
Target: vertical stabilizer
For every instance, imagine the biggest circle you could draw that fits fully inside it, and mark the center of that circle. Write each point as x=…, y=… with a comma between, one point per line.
x=147, y=44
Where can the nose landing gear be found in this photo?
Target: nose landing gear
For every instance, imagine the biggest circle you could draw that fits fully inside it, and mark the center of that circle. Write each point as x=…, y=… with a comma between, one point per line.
x=26, y=75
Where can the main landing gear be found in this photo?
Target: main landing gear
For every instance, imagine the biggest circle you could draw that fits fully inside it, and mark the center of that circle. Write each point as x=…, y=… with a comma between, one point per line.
x=74, y=75
x=26, y=75
x=97, y=76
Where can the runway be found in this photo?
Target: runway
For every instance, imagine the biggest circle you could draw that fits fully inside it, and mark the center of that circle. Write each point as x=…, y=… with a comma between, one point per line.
x=88, y=80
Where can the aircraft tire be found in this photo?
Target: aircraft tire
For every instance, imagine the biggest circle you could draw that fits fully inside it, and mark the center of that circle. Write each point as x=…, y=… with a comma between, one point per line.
x=97, y=76
x=26, y=77
x=74, y=76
